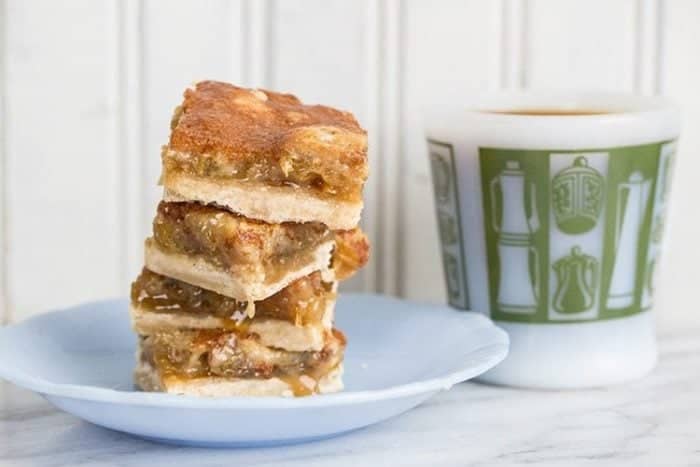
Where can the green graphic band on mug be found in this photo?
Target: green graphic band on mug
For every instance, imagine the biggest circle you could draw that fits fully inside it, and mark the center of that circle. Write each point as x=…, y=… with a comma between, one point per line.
x=442, y=164
x=573, y=236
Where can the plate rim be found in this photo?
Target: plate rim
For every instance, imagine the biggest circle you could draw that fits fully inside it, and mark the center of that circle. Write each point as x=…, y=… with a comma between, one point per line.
x=497, y=350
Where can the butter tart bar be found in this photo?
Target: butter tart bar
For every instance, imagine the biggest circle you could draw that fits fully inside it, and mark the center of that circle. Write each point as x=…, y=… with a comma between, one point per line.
x=220, y=363
x=295, y=318
x=232, y=255
x=266, y=156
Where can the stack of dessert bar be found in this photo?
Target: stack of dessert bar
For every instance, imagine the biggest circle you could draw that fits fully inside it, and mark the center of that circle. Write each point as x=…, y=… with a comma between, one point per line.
x=258, y=223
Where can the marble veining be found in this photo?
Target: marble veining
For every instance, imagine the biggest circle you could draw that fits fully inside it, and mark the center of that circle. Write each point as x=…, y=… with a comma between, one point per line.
x=655, y=421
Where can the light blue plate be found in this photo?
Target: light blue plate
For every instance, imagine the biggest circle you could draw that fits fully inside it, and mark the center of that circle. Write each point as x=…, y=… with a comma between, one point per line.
x=399, y=354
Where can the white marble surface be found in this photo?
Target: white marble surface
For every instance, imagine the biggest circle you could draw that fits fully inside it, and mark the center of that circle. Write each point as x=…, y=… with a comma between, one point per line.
x=655, y=421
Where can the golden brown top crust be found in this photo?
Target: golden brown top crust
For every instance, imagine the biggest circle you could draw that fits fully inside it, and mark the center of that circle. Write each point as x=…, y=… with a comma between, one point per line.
x=220, y=118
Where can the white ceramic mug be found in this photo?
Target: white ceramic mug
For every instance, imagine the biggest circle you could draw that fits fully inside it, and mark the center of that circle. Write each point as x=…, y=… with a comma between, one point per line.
x=551, y=208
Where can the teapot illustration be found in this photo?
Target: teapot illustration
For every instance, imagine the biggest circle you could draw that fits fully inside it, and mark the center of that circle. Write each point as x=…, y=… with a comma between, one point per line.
x=577, y=197
x=577, y=281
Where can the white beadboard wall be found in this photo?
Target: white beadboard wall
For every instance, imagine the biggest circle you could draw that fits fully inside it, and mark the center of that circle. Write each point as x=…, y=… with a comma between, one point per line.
x=87, y=88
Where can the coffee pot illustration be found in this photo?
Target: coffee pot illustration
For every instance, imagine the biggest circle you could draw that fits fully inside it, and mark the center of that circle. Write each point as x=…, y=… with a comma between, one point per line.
x=577, y=199
x=577, y=281
x=518, y=284
x=628, y=225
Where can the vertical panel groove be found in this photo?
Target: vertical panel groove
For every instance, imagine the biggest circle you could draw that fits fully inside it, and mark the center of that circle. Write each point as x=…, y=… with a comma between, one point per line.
x=240, y=36
x=638, y=27
x=258, y=37
x=647, y=47
x=396, y=195
x=513, y=43
x=245, y=43
x=373, y=78
x=497, y=49
x=505, y=65
x=524, y=21
x=384, y=266
x=269, y=74
x=660, y=46
x=130, y=144
x=140, y=113
x=144, y=181
x=113, y=141
x=5, y=311
x=392, y=168
x=118, y=140
x=141, y=108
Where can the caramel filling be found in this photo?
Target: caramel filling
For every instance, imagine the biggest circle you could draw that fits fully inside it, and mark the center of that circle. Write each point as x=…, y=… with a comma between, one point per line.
x=302, y=302
x=228, y=240
x=184, y=355
x=331, y=183
x=351, y=252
